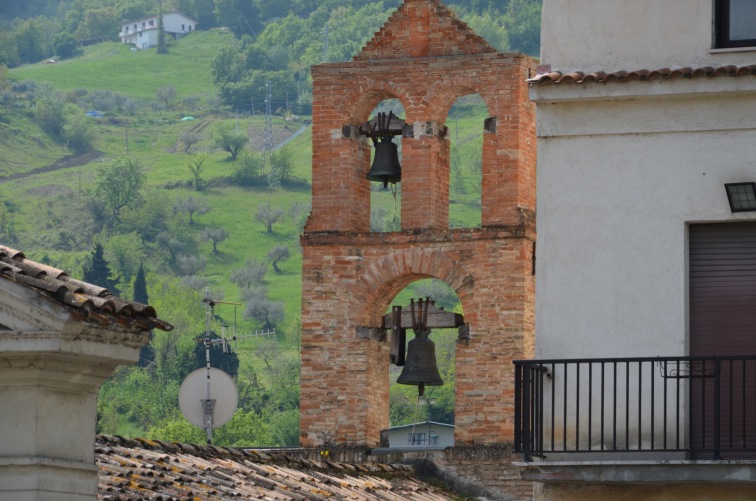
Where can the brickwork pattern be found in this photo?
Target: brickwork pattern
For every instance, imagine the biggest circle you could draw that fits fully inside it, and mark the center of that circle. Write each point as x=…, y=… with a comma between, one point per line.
x=350, y=275
x=423, y=29
x=345, y=94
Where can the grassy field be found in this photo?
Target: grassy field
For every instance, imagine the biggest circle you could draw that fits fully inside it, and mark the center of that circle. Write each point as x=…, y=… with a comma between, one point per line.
x=115, y=67
x=46, y=202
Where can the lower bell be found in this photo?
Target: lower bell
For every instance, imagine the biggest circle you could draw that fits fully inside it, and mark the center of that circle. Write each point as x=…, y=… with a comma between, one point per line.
x=420, y=367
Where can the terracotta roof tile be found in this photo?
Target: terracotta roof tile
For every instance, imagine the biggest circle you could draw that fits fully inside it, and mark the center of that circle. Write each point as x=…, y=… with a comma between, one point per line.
x=578, y=77
x=132, y=469
x=86, y=301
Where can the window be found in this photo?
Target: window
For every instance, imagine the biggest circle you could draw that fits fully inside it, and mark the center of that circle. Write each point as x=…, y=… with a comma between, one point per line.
x=736, y=23
x=416, y=438
x=152, y=23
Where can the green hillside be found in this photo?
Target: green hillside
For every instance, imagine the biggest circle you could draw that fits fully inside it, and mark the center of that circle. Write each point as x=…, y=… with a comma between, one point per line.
x=55, y=164
x=112, y=66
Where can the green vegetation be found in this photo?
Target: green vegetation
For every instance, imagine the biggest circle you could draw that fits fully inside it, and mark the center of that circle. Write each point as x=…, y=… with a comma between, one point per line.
x=145, y=173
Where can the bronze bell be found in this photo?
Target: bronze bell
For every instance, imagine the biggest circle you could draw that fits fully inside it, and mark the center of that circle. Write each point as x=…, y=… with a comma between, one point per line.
x=386, y=168
x=420, y=367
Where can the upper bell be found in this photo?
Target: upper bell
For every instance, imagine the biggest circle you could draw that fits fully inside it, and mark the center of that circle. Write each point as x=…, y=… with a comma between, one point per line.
x=420, y=367
x=386, y=168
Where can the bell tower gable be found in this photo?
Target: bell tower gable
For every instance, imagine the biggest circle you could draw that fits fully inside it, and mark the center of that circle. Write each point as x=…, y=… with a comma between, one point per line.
x=423, y=28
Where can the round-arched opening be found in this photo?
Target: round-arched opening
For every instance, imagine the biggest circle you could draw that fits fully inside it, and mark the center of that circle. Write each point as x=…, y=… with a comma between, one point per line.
x=425, y=420
x=465, y=123
x=386, y=201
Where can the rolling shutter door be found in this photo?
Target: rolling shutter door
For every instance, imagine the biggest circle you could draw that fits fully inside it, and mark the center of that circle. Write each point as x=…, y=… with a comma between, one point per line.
x=723, y=322
x=723, y=289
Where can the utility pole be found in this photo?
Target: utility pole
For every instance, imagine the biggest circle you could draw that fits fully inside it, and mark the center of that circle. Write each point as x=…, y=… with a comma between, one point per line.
x=325, y=44
x=268, y=133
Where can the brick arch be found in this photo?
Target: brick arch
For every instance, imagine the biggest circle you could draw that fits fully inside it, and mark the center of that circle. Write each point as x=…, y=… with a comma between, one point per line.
x=388, y=275
x=360, y=101
x=442, y=95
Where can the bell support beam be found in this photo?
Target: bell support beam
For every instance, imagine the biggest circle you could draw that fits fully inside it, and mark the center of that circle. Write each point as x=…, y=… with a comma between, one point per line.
x=436, y=318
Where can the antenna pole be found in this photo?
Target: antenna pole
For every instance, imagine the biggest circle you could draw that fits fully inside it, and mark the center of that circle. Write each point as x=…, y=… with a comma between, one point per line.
x=208, y=404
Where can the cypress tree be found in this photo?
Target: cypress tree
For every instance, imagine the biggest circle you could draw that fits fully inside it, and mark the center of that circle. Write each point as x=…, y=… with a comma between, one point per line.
x=140, y=287
x=98, y=272
x=162, y=48
x=147, y=353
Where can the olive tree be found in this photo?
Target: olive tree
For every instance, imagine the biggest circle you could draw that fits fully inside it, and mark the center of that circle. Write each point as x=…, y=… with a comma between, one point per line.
x=119, y=184
x=230, y=141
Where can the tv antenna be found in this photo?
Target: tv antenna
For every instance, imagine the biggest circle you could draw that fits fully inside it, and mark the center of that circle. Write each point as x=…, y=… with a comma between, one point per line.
x=224, y=342
x=208, y=397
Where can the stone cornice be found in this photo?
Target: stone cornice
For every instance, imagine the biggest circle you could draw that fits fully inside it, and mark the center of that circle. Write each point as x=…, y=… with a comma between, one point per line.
x=525, y=230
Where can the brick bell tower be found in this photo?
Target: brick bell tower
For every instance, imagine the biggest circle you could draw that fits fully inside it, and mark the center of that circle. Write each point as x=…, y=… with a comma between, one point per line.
x=427, y=58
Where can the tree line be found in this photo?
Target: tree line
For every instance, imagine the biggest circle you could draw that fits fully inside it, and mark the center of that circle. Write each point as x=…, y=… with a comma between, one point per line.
x=277, y=40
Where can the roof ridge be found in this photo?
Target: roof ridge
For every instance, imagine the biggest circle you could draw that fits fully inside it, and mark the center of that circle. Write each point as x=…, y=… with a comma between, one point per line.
x=86, y=301
x=579, y=77
x=253, y=455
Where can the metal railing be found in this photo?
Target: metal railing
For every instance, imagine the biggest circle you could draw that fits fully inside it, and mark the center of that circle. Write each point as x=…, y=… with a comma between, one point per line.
x=689, y=407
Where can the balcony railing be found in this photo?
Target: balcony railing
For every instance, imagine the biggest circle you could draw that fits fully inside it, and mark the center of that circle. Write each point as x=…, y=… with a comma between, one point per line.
x=684, y=407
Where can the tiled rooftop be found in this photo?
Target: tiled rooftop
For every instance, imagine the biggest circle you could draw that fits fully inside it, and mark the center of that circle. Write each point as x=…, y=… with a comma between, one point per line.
x=139, y=469
x=557, y=77
x=87, y=302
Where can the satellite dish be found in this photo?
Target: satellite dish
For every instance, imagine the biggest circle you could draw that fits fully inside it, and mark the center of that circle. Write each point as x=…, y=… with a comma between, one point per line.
x=208, y=384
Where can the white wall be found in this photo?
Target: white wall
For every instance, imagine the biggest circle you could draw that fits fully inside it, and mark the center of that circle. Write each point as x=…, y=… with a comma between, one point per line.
x=172, y=22
x=624, y=167
x=618, y=181
x=610, y=35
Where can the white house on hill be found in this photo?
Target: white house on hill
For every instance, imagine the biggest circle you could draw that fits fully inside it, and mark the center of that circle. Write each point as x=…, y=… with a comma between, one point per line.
x=143, y=33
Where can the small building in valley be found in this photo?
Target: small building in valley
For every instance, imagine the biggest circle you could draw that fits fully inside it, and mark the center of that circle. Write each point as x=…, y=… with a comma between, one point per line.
x=424, y=434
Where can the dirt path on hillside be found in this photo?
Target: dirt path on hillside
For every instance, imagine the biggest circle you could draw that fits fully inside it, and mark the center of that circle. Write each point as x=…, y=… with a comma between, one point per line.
x=281, y=138
x=63, y=163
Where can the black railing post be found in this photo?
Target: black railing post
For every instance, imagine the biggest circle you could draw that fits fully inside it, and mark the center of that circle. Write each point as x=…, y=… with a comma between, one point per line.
x=518, y=407
x=717, y=408
x=527, y=432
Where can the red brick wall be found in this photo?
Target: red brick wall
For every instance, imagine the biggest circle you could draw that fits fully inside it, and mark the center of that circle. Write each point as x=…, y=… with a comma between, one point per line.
x=345, y=94
x=350, y=276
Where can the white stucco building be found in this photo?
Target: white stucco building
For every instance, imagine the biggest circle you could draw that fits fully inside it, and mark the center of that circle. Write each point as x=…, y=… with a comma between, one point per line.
x=645, y=110
x=143, y=33
x=60, y=338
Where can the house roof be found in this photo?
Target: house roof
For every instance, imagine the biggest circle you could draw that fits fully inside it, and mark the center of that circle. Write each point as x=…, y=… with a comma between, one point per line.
x=131, y=469
x=85, y=301
x=578, y=77
x=423, y=28
x=155, y=16
x=421, y=424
